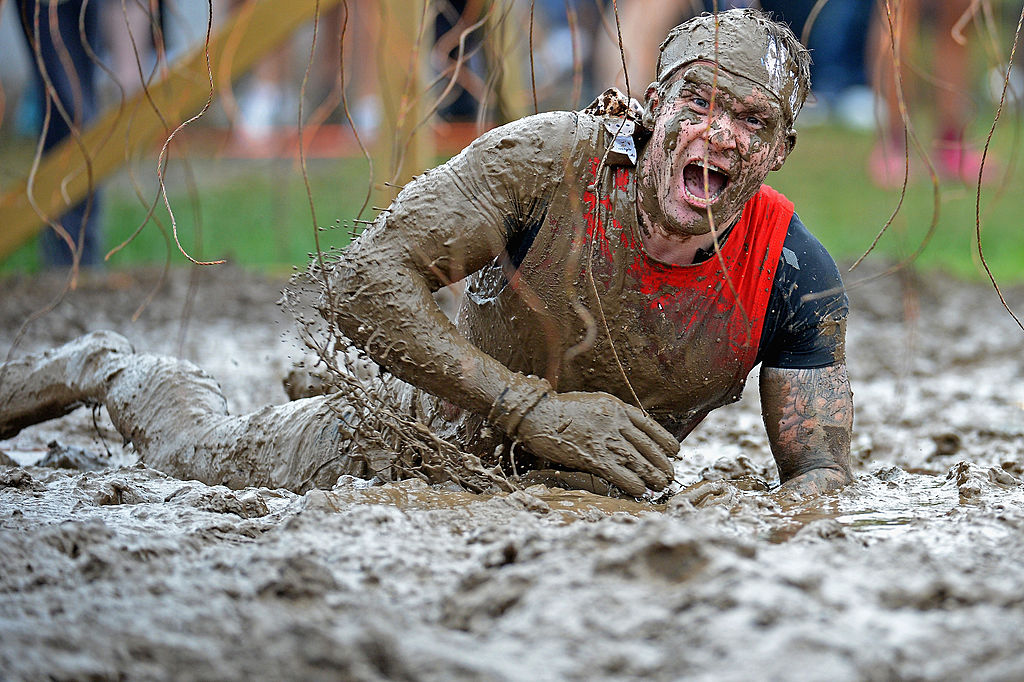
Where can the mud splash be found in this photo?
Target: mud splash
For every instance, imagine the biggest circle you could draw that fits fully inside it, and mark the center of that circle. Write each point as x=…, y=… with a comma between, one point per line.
x=914, y=571
x=415, y=495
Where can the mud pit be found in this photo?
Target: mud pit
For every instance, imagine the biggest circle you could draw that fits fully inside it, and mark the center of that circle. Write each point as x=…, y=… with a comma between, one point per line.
x=915, y=571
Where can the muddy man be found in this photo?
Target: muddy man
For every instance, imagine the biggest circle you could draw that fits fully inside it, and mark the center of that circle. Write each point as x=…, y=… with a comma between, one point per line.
x=626, y=269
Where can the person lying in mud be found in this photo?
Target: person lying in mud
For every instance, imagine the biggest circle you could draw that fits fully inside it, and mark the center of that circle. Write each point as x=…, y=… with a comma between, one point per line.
x=627, y=268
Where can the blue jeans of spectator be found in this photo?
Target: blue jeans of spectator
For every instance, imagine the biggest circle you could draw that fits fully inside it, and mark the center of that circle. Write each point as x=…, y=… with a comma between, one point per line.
x=51, y=49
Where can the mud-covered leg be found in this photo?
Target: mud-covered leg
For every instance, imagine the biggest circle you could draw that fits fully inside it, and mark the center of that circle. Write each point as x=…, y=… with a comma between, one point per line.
x=47, y=385
x=177, y=418
x=299, y=445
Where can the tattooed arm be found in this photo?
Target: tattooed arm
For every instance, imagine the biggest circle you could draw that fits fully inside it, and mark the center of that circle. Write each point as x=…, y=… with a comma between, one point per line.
x=808, y=414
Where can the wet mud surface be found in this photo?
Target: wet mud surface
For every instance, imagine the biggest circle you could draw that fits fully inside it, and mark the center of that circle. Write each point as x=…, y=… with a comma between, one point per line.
x=110, y=569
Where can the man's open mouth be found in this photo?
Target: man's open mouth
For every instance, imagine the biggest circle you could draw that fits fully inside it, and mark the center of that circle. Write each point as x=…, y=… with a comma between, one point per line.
x=703, y=189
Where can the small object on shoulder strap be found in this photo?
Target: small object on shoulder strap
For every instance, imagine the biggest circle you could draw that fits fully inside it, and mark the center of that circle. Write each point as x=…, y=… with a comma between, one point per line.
x=622, y=118
x=612, y=102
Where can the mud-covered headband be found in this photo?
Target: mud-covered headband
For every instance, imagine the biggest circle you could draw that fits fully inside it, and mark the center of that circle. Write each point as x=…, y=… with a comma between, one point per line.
x=748, y=44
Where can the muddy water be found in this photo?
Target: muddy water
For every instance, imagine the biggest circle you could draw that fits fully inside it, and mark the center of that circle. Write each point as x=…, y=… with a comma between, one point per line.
x=914, y=571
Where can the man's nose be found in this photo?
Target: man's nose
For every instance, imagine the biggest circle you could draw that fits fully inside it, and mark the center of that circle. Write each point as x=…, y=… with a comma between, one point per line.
x=719, y=133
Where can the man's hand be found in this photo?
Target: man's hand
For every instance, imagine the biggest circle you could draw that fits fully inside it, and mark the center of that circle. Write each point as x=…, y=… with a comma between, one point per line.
x=811, y=484
x=808, y=414
x=600, y=434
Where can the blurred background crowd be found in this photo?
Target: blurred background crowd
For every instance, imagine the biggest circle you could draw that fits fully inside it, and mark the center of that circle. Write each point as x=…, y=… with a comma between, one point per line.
x=877, y=64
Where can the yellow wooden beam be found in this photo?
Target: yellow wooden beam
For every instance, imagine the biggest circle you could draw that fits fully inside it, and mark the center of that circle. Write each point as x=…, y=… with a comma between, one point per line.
x=507, y=50
x=67, y=173
x=403, y=148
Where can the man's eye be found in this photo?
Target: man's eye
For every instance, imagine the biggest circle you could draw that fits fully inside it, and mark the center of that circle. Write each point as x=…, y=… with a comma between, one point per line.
x=701, y=103
x=754, y=121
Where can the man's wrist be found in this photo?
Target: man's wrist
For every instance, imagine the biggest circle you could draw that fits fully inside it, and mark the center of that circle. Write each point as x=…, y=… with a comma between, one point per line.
x=516, y=401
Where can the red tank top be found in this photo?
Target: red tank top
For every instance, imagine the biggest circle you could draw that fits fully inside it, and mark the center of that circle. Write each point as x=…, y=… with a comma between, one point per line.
x=730, y=302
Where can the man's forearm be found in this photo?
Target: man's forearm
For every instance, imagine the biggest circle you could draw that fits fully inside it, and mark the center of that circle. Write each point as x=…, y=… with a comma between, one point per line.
x=390, y=312
x=808, y=414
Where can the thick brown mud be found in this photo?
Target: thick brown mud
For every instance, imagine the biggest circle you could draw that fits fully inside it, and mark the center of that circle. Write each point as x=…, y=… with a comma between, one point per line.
x=913, y=571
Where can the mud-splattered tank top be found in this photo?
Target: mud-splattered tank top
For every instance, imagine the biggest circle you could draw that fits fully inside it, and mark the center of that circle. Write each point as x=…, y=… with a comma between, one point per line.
x=575, y=298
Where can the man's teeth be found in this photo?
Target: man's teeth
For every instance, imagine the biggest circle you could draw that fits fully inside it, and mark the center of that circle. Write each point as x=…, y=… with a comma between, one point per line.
x=710, y=167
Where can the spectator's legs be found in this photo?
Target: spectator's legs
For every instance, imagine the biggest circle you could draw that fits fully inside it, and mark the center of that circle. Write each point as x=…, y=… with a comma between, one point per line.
x=645, y=23
x=58, y=53
x=128, y=35
x=887, y=164
x=951, y=70
x=955, y=158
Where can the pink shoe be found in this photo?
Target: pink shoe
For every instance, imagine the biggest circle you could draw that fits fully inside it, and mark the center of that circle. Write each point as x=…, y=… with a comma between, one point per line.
x=957, y=160
x=887, y=165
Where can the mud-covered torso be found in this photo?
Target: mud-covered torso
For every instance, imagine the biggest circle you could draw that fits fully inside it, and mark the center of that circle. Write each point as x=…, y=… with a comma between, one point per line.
x=576, y=300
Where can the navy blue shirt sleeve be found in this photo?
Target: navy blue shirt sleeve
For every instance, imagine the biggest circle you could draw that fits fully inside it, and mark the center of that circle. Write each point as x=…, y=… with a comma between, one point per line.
x=805, y=324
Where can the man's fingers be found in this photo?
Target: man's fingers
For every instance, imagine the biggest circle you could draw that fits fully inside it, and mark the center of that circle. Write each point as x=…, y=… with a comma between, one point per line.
x=605, y=466
x=622, y=478
x=629, y=458
x=665, y=440
x=654, y=459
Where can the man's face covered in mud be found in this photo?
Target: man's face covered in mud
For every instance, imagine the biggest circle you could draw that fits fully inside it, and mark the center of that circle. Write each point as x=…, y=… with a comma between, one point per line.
x=721, y=117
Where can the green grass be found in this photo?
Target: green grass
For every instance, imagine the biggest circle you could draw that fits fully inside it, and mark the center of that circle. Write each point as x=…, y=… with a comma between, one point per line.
x=257, y=214
x=251, y=213
x=827, y=180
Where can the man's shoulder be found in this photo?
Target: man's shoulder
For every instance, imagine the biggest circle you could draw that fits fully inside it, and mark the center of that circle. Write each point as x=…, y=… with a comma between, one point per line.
x=807, y=274
x=802, y=327
x=801, y=246
x=549, y=128
x=769, y=204
x=564, y=129
x=519, y=149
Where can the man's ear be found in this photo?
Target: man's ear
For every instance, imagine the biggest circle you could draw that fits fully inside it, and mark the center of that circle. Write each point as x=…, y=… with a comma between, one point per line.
x=651, y=98
x=784, y=149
